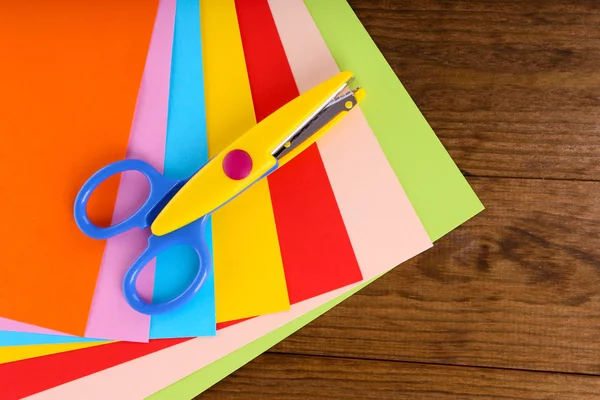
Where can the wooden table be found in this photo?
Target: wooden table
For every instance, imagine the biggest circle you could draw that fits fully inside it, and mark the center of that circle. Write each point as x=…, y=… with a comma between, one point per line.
x=508, y=305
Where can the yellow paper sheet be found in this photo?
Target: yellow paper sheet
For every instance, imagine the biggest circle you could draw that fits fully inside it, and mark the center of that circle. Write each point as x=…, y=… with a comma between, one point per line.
x=16, y=353
x=249, y=276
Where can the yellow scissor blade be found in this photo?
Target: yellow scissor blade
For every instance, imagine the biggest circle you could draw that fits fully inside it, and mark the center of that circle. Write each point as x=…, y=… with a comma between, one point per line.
x=211, y=186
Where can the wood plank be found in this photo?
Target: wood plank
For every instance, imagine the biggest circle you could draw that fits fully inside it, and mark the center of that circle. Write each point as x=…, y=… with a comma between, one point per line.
x=579, y=7
x=286, y=377
x=516, y=287
x=511, y=87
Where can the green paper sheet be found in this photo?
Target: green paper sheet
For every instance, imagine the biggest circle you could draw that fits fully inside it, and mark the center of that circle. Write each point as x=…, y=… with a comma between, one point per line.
x=439, y=193
x=436, y=188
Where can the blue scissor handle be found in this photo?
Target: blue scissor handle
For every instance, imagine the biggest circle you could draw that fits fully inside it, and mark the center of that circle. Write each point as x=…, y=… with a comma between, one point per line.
x=161, y=191
x=159, y=187
x=191, y=235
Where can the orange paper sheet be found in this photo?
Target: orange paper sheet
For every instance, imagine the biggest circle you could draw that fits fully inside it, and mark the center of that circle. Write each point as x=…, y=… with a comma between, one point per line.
x=69, y=79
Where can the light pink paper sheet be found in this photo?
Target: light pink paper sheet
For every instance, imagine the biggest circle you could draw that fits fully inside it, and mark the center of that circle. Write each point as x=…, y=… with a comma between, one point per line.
x=383, y=227
x=110, y=315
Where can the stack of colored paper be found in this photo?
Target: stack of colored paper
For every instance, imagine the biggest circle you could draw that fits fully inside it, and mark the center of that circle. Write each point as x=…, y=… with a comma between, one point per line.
x=174, y=82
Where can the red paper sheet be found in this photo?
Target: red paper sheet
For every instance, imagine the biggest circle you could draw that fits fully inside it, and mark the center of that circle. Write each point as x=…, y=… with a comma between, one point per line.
x=24, y=378
x=315, y=247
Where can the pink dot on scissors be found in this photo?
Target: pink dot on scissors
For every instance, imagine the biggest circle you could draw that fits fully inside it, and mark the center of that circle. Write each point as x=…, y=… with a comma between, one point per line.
x=237, y=164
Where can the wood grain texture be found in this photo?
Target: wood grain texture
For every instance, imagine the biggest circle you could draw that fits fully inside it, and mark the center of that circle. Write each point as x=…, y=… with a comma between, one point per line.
x=288, y=377
x=516, y=287
x=512, y=88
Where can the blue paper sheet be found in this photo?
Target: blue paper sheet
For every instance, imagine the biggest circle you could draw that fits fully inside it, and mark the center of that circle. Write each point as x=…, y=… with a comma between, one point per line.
x=186, y=151
x=8, y=338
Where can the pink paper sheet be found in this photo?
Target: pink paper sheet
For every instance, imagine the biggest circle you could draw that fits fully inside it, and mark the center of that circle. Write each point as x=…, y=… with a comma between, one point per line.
x=383, y=227
x=110, y=316
x=16, y=326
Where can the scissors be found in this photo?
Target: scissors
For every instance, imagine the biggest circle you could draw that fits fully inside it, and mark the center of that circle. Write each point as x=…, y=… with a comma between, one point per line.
x=177, y=210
